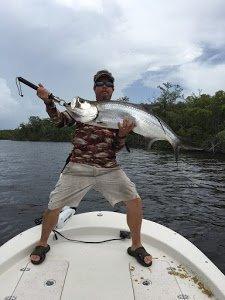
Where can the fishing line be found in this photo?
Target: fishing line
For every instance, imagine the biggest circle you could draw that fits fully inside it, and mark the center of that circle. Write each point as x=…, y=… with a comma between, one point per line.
x=19, y=87
x=123, y=236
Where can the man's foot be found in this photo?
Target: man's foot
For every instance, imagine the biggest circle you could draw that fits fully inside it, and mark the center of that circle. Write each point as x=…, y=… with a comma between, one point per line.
x=142, y=256
x=39, y=253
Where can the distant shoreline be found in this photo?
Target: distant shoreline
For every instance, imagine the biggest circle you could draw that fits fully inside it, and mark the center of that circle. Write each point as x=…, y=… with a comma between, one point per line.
x=156, y=149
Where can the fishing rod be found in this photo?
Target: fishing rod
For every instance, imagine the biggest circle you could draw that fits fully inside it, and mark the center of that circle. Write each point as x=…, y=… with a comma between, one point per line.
x=35, y=87
x=70, y=106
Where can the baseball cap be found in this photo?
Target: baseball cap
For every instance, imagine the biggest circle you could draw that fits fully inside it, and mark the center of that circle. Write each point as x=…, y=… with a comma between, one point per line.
x=102, y=73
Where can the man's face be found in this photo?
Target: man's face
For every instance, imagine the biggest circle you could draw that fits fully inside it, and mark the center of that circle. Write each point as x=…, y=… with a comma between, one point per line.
x=103, y=93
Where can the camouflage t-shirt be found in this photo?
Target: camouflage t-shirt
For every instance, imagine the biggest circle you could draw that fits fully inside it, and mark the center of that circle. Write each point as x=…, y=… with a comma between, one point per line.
x=93, y=145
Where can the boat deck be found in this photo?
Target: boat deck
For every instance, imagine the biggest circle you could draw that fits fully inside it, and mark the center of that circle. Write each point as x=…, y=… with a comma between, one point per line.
x=99, y=271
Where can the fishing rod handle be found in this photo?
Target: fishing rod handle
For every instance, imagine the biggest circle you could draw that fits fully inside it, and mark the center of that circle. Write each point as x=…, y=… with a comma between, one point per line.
x=30, y=84
x=33, y=86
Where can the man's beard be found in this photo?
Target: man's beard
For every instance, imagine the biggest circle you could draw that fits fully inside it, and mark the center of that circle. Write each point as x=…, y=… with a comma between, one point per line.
x=104, y=97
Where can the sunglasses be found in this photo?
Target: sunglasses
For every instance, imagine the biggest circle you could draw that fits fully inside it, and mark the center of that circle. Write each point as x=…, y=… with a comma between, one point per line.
x=106, y=83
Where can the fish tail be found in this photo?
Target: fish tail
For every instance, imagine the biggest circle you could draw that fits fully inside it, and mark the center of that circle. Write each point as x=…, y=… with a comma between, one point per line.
x=176, y=148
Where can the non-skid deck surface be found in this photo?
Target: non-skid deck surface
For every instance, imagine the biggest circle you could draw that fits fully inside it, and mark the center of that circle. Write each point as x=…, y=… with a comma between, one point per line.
x=44, y=282
x=101, y=272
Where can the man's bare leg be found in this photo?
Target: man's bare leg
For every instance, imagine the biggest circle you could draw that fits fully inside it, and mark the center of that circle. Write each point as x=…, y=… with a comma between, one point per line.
x=50, y=219
x=134, y=220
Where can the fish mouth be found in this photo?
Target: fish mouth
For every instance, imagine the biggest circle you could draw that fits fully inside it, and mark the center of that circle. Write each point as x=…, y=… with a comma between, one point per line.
x=82, y=110
x=84, y=116
x=79, y=103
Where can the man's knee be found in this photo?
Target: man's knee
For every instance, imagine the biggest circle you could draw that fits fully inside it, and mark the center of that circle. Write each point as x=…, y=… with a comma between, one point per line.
x=133, y=202
x=52, y=211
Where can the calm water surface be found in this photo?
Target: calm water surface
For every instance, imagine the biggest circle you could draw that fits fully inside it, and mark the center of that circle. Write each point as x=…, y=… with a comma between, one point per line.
x=188, y=199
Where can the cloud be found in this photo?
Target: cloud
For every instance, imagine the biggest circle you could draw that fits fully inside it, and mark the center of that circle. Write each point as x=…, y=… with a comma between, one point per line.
x=7, y=103
x=212, y=56
x=201, y=77
x=87, y=5
x=9, y=107
x=62, y=43
x=12, y=111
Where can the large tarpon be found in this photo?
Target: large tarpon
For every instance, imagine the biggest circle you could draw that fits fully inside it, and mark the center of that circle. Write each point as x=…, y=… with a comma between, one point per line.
x=109, y=113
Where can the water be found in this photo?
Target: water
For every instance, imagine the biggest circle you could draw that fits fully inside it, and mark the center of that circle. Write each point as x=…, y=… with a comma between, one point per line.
x=188, y=199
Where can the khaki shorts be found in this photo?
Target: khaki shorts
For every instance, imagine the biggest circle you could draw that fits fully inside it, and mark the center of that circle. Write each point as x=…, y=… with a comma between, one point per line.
x=77, y=179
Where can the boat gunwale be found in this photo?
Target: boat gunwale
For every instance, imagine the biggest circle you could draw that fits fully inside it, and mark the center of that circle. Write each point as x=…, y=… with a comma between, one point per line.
x=156, y=234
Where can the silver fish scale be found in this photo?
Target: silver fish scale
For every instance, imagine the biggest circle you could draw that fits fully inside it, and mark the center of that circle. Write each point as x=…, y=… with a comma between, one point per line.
x=146, y=123
x=129, y=111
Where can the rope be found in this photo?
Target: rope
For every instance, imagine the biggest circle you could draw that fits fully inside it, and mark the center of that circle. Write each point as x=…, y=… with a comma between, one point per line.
x=86, y=242
x=123, y=235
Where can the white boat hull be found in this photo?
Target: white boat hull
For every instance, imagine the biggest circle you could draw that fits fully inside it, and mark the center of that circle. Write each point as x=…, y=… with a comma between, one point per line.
x=105, y=271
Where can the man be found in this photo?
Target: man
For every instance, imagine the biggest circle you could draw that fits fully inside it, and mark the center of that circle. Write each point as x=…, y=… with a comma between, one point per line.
x=92, y=164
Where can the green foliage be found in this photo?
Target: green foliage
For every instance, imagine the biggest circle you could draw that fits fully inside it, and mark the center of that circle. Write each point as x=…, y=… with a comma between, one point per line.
x=39, y=130
x=169, y=95
x=6, y=134
x=123, y=99
x=199, y=119
x=216, y=143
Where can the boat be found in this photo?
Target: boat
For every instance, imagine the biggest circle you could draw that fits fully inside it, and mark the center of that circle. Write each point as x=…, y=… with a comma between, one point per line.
x=104, y=271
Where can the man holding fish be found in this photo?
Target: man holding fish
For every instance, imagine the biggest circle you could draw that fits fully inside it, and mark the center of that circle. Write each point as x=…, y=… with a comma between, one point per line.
x=92, y=164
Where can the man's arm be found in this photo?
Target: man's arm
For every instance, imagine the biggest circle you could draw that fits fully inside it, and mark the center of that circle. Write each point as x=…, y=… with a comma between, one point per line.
x=60, y=119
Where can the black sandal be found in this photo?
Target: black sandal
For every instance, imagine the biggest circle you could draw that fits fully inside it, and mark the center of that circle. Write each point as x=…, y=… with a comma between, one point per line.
x=139, y=253
x=41, y=252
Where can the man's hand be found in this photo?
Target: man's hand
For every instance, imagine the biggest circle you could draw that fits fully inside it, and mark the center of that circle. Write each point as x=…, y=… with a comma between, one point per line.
x=43, y=94
x=126, y=127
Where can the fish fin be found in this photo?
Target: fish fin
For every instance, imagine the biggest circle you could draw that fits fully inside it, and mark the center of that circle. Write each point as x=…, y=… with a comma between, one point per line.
x=127, y=147
x=151, y=142
x=101, y=123
x=176, y=149
x=160, y=122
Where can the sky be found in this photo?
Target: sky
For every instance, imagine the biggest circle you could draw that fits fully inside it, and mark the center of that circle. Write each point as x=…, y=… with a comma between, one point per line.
x=63, y=43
